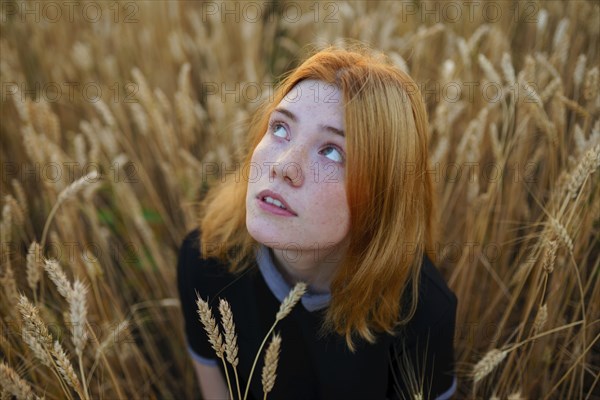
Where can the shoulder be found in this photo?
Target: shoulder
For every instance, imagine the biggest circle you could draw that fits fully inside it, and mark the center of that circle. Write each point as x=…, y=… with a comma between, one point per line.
x=436, y=305
x=193, y=269
x=190, y=246
x=191, y=250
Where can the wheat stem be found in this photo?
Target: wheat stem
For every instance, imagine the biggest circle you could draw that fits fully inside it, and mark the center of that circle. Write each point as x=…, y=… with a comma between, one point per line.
x=284, y=309
x=214, y=335
x=231, y=348
x=68, y=192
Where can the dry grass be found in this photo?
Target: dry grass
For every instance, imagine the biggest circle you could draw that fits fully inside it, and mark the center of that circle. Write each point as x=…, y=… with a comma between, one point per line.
x=519, y=226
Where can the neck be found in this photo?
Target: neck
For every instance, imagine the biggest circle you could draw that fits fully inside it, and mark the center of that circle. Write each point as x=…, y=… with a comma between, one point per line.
x=316, y=267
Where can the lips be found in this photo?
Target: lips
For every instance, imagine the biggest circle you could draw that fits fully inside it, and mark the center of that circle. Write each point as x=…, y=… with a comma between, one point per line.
x=275, y=196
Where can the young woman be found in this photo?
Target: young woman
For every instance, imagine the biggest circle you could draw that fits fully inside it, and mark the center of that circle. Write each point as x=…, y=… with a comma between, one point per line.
x=333, y=192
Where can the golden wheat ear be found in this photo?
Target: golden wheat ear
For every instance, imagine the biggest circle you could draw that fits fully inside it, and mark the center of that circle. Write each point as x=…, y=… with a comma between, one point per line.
x=14, y=384
x=269, y=372
x=284, y=309
x=488, y=363
x=214, y=335
x=210, y=326
x=231, y=347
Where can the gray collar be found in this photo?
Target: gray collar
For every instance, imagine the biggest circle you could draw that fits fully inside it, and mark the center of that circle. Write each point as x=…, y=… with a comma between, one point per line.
x=280, y=288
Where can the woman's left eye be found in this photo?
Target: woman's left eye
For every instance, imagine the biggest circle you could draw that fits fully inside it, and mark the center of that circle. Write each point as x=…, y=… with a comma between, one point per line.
x=333, y=154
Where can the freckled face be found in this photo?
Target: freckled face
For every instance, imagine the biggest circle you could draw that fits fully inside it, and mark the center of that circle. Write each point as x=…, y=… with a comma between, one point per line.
x=298, y=201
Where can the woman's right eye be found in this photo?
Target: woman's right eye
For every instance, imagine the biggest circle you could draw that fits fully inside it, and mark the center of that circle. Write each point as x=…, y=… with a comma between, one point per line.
x=278, y=130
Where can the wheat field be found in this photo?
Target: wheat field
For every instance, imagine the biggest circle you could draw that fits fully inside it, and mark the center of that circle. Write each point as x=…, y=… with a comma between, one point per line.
x=117, y=116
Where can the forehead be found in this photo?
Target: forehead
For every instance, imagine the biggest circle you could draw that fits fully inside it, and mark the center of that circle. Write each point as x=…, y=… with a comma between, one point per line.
x=313, y=92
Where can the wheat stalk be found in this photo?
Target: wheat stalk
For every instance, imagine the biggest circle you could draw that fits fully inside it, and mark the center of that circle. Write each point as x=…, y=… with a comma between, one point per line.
x=270, y=367
x=562, y=233
x=14, y=384
x=587, y=166
x=57, y=275
x=82, y=56
x=79, y=146
x=214, y=335
x=22, y=105
x=290, y=301
x=112, y=338
x=35, y=265
x=487, y=364
x=579, y=71
x=78, y=315
x=76, y=297
x=550, y=89
x=17, y=212
x=507, y=69
x=549, y=256
x=20, y=194
x=140, y=118
x=36, y=347
x=561, y=41
x=9, y=285
x=284, y=309
x=590, y=89
x=34, y=330
x=231, y=348
x=105, y=112
x=210, y=326
x=65, y=368
x=540, y=318
x=66, y=194
x=488, y=69
x=6, y=225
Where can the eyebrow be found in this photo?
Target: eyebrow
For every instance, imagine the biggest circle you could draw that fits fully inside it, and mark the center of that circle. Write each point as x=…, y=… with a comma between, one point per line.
x=293, y=117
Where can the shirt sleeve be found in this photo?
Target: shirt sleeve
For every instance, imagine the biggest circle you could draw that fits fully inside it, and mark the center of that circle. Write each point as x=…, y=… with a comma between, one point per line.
x=193, y=279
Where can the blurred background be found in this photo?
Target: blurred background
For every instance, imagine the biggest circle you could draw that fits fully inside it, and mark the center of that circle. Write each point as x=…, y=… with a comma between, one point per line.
x=144, y=104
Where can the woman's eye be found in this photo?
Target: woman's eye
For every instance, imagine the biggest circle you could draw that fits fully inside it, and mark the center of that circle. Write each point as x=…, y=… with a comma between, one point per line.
x=333, y=154
x=279, y=130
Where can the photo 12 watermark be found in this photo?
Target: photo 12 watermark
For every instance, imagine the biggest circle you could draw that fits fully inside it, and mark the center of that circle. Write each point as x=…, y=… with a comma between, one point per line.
x=326, y=172
x=53, y=91
x=55, y=12
x=455, y=91
x=268, y=11
x=455, y=12
x=72, y=252
x=68, y=171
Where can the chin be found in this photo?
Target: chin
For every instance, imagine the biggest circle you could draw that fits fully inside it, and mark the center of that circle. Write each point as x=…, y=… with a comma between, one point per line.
x=266, y=233
x=259, y=230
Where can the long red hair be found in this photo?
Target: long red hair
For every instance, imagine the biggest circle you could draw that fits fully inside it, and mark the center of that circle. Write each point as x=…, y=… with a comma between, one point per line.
x=389, y=192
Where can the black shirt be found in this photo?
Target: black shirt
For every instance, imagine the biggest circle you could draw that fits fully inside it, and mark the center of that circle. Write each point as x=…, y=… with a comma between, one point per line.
x=420, y=358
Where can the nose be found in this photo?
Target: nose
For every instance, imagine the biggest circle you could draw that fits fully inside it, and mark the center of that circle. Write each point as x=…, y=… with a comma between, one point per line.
x=290, y=166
